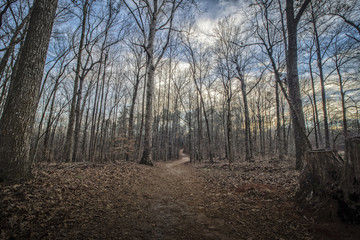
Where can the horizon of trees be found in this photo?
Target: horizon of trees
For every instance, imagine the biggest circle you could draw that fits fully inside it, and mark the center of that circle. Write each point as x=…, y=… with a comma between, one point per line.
x=122, y=77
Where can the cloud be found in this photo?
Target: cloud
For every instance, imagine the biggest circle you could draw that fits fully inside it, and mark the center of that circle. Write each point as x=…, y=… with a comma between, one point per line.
x=214, y=10
x=210, y=7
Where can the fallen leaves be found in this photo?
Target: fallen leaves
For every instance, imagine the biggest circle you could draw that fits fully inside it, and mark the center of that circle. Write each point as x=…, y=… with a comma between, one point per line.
x=169, y=201
x=59, y=198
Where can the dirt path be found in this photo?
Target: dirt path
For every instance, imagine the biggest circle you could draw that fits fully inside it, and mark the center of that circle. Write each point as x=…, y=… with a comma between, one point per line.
x=119, y=201
x=176, y=205
x=172, y=200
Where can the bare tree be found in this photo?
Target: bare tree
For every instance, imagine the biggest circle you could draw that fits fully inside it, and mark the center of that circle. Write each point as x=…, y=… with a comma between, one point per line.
x=315, y=12
x=199, y=59
x=347, y=11
x=296, y=110
x=69, y=144
x=267, y=23
x=152, y=17
x=17, y=121
x=135, y=76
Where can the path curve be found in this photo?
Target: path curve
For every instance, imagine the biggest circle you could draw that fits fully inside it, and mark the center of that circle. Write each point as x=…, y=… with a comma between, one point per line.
x=177, y=203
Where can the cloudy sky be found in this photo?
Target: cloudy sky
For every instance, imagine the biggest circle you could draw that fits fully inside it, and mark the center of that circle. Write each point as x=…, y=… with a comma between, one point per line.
x=219, y=8
x=215, y=10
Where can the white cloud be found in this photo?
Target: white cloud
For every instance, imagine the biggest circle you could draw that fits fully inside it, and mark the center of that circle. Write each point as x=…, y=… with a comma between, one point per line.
x=216, y=10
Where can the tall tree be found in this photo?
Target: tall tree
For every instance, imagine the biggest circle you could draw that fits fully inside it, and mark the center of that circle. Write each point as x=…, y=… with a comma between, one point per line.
x=296, y=110
x=18, y=118
x=69, y=143
x=199, y=64
x=319, y=54
x=225, y=31
x=271, y=43
x=151, y=17
x=137, y=74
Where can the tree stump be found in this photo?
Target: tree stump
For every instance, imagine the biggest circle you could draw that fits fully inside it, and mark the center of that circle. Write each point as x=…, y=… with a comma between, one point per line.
x=320, y=178
x=349, y=194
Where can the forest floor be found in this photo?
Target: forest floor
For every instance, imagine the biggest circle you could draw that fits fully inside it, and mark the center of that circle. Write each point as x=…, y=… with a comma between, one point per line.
x=173, y=200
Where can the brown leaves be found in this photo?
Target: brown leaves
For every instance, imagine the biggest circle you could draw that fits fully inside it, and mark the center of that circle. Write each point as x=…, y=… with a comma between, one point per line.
x=169, y=201
x=59, y=198
x=258, y=197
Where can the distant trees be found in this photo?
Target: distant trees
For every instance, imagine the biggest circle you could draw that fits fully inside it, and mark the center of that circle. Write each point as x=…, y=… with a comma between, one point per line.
x=151, y=17
x=199, y=59
x=17, y=120
x=133, y=80
x=270, y=32
x=74, y=108
x=233, y=61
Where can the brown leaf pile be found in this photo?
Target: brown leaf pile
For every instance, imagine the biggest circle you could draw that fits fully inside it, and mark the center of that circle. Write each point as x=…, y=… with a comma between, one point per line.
x=261, y=196
x=169, y=201
x=65, y=199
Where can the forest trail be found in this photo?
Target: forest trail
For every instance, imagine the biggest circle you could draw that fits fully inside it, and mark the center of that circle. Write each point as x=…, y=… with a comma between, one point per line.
x=176, y=203
x=172, y=200
x=112, y=201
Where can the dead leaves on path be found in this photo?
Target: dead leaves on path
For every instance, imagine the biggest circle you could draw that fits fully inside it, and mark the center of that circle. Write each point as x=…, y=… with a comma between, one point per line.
x=258, y=197
x=260, y=200
x=63, y=197
x=77, y=201
x=86, y=201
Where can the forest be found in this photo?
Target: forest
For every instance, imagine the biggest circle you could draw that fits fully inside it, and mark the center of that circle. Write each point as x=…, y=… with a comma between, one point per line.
x=253, y=94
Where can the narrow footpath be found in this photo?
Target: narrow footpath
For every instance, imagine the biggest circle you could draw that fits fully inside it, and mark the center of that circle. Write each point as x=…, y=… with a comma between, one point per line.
x=173, y=200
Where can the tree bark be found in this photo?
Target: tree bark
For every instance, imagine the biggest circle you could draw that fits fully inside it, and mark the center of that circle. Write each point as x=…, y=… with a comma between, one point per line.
x=320, y=177
x=322, y=81
x=350, y=183
x=18, y=118
x=69, y=143
x=296, y=110
x=150, y=67
x=248, y=142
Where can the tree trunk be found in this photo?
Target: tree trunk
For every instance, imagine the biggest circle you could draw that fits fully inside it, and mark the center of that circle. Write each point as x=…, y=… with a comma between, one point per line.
x=191, y=149
x=318, y=138
x=248, y=143
x=45, y=154
x=140, y=143
x=296, y=110
x=18, y=118
x=350, y=184
x=280, y=141
x=131, y=112
x=320, y=177
x=78, y=117
x=322, y=81
x=286, y=143
x=199, y=128
x=69, y=142
x=343, y=107
x=229, y=130
x=150, y=67
x=261, y=130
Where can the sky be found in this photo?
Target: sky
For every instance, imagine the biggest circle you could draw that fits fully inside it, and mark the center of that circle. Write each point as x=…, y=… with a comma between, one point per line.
x=219, y=8
x=215, y=10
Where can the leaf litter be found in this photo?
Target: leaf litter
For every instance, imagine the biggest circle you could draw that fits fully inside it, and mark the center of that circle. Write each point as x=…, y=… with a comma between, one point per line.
x=173, y=200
